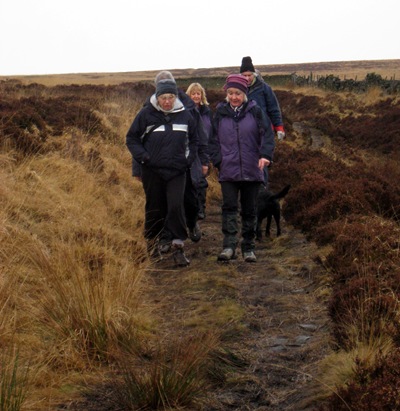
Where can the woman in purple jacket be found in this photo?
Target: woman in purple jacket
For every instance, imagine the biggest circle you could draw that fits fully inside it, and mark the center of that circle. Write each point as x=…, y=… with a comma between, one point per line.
x=242, y=144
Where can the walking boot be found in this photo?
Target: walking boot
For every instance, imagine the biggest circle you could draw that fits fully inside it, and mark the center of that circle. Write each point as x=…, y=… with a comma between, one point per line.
x=195, y=233
x=226, y=254
x=179, y=256
x=249, y=257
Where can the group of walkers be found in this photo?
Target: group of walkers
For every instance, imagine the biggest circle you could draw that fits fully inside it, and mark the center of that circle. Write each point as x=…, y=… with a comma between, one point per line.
x=175, y=138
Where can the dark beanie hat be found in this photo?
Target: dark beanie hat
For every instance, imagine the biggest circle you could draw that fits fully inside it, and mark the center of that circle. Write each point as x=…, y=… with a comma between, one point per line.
x=247, y=65
x=166, y=87
x=236, y=81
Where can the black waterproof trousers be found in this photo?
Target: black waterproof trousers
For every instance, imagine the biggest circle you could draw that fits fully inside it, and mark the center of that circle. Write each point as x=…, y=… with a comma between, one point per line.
x=232, y=192
x=165, y=213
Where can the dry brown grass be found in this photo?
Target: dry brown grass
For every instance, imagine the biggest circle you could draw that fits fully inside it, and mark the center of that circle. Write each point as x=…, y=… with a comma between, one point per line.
x=71, y=261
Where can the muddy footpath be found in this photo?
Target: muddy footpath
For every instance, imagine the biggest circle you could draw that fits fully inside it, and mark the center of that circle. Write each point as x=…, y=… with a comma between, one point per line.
x=285, y=326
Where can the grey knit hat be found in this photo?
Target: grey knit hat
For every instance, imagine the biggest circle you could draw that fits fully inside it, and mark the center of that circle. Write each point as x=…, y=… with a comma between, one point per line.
x=166, y=87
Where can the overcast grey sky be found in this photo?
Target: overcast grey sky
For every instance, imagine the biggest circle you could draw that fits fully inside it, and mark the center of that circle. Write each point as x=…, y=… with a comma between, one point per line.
x=80, y=36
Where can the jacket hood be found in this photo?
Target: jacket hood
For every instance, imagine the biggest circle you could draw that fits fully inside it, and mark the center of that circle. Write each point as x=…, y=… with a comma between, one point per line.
x=178, y=105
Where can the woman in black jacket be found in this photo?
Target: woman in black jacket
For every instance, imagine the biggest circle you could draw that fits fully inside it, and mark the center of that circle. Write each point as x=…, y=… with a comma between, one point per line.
x=163, y=140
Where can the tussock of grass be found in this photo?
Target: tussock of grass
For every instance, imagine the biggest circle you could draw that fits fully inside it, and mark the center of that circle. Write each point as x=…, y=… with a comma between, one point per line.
x=89, y=300
x=176, y=375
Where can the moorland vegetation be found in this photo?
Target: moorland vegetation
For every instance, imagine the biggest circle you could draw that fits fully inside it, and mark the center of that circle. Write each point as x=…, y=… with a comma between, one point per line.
x=73, y=307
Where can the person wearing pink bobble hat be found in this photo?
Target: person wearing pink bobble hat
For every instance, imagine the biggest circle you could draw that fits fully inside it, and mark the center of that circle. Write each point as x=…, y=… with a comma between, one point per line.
x=241, y=146
x=263, y=94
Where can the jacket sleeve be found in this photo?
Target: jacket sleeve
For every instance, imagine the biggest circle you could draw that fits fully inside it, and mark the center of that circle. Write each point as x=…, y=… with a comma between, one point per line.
x=273, y=108
x=134, y=139
x=136, y=168
x=267, y=136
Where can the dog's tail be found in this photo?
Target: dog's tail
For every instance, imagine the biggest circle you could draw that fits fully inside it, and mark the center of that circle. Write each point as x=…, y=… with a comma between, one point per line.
x=281, y=193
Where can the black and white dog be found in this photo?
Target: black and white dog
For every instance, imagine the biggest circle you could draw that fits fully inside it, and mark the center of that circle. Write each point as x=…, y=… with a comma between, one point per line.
x=268, y=206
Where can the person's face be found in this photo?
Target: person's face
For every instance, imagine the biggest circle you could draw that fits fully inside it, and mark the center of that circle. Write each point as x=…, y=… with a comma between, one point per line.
x=249, y=76
x=166, y=101
x=235, y=97
x=195, y=95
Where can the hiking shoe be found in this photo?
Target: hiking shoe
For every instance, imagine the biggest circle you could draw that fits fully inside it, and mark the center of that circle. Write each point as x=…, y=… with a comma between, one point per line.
x=249, y=257
x=226, y=254
x=179, y=257
x=195, y=233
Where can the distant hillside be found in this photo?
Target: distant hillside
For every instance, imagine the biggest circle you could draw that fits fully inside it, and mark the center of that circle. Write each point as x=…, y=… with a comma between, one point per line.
x=351, y=69
x=345, y=69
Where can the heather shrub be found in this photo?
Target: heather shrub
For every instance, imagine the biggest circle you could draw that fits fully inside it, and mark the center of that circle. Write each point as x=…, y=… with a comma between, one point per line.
x=27, y=123
x=32, y=113
x=365, y=266
x=382, y=190
x=318, y=200
x=368, y=245
x=349, y=122
x=363, y=312
x=296, y=103
x=292, y=165
x=350, y=200
x=21, y=127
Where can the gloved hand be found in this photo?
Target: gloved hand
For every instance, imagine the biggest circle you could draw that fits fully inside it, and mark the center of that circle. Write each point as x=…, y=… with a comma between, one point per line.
x=281, y=135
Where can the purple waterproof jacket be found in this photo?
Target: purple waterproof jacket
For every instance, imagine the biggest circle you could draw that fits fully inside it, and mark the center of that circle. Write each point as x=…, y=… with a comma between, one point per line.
x=240, y=138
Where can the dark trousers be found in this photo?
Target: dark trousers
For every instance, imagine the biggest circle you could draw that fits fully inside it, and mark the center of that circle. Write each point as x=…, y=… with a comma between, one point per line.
x=232, y=192
x=203, y=185
x=191, y=202
x=164, y=210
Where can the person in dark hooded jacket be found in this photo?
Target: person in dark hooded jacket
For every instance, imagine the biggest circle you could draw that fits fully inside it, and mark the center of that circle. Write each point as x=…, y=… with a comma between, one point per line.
x=163, y=141
x=195, y=173
x=241, y=146
x=263, y=94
